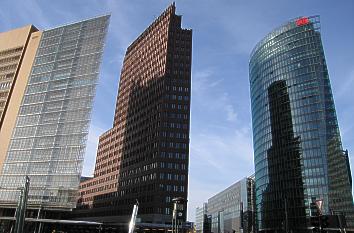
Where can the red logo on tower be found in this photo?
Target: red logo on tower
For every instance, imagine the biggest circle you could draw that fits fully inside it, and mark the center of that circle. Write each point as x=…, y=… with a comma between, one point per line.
x=302, y=21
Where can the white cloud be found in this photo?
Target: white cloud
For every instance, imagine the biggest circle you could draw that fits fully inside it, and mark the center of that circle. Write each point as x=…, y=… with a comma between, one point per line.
x=219, y=149
x=217, y=161
x=346, y=87
x=231, y=114
x=343, y=91
x=201, y=81
x=220, y=154
x=206, y=93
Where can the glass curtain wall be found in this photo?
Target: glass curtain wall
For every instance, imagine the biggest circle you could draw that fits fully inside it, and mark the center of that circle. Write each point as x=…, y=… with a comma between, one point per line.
x=49, y=140
x=290, y=63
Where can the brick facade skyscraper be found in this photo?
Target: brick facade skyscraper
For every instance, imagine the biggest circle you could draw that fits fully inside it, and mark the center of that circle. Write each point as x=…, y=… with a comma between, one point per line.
x=144, y=156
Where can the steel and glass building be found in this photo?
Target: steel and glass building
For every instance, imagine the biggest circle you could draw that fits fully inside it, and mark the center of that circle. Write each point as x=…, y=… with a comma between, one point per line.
x=48, y=139
x=232, y=210
x=298, y=152
x=201, y=219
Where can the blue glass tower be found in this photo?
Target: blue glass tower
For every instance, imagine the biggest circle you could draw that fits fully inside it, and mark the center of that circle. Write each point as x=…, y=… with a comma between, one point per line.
x=298, y=152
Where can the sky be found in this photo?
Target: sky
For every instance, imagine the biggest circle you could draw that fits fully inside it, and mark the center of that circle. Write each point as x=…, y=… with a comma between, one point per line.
x=224, y=33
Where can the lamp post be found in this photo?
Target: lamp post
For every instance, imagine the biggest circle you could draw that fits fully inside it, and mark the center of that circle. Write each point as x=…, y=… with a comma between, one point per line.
x=133, y=219
x=319, y=204
x=178, y=214
x=20, y=213
x=286, y=215
x=21, y=207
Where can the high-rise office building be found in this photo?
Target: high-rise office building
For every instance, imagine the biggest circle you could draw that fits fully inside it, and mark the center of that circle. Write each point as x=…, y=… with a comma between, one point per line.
x=298, y=152
x=144, y=156
x=44, y=129
x=17, y=51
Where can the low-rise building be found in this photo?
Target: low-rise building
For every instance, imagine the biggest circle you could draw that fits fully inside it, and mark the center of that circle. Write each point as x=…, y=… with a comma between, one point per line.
x=232, y=210
x=202, y=220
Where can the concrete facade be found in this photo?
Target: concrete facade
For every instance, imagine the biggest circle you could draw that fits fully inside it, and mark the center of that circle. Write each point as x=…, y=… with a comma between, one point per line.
x=17, y=50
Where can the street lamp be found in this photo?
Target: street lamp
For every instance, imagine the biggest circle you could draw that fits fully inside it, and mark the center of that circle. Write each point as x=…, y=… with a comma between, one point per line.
x=21, y=208
x=20, y=213
x=178, y=213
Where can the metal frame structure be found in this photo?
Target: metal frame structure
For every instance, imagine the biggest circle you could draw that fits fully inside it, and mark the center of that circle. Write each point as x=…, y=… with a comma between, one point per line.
x=49, y=140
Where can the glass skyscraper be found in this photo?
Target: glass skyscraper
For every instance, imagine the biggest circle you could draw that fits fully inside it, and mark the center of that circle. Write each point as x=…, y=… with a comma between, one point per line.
x=49, y=138
x=298, y=152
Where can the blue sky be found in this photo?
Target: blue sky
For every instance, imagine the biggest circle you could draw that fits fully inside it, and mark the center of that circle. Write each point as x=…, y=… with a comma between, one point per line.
x=224, y=33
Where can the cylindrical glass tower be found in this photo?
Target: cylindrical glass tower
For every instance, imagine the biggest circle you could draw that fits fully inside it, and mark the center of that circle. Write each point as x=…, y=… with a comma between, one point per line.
x=297, y=146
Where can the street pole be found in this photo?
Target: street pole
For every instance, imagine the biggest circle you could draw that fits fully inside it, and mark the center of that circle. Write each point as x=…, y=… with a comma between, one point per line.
x=286, y=217
x=178, y=214
x=241, y=217
x=133, y=218
x=39, y=225
x=21, y=208
x=174, y=218
x=319, y=204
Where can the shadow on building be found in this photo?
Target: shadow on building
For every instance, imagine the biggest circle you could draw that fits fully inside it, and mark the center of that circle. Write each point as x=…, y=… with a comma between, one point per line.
x=283, y=205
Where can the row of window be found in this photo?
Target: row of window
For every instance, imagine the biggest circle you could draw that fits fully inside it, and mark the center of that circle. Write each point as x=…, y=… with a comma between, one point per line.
x=172, y=188
x=6, y=76
x=177, y=97
x=173, y=155
x=173, y=125
x=173, y=115
x=174, y=135
x=175, y=145
x=10, y=59
x=8, y=68
x=5, y=85
x=3, y=94
x=177, y=88
x=136, y=180
x=170, y=176
x=61, y=85
x=10, y=51
x=50, y=141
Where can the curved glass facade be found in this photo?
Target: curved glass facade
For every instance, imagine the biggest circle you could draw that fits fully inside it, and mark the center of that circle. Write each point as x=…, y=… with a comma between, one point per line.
x=297, y=146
